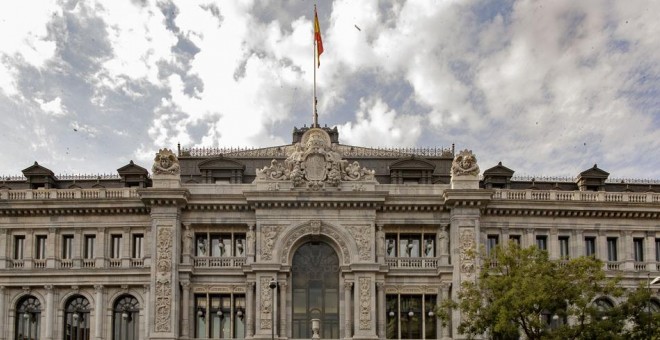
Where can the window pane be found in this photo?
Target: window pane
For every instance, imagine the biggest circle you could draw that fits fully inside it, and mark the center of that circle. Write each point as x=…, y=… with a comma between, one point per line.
x=541, y=242
x=638, y=247
x=611, y=249
x=590, y=246
x=19, y=245
x=67, y=246
x=40, y=252
x=137, y=246
x=563, y=246
x=116, y=247
x=89, y=246
x=201, y=248
x=409, y=245
x=239, y=240
x=429, y=245
x=390, y=248
x=491, y=243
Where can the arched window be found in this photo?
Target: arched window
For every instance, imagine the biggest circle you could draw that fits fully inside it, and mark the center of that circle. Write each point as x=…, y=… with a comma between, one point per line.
x=126, y=318
x=603, y=307
x=28, y=318
x=76, y=319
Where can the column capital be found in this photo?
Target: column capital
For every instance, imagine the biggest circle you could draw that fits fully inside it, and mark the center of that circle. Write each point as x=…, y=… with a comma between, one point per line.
x=380, y=285
x=49, y=288
x=99, y=288
x=185, y=284
x=348, y=284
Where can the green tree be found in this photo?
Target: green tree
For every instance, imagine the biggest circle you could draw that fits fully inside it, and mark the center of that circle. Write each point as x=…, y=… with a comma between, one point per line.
x=642, y=316
x=522, y=290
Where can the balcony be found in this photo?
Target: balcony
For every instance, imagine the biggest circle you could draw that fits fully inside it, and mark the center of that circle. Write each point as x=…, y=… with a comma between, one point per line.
x=39, y=263
x=613, y=265
x=68, y=194
x=218, y=262
x=412, y=262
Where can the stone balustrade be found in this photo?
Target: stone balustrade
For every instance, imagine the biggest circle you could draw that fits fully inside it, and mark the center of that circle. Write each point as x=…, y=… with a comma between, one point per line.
x=583, y=196
x=412, y=262
x=218, y=262
x=68, y=194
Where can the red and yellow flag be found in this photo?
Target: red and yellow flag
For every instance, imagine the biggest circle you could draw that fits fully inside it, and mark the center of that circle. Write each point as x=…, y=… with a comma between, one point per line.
x=317, y=38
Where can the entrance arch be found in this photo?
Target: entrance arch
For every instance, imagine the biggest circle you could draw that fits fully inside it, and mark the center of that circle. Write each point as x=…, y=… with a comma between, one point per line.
x=315, y=290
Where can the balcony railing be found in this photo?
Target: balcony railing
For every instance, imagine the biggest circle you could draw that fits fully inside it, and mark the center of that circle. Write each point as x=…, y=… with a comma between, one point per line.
x=584, y=196
x=613, y=265
x=88, y=263
x=218, y=262
x=39, y=263
x=640, y=266
x=68, y=194
x=66, y=264
x=114, y=263
x=137, y=263
x=16, y=263
x=412, y=262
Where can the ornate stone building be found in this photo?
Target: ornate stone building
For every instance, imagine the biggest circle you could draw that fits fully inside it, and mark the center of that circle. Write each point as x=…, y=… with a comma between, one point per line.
x=265, y=243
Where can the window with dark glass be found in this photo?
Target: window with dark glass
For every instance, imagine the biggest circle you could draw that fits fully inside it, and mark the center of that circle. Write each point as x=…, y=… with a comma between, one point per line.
x=411, y=317
x=638, y=249
x=19, y=247
x=612, y=252
x=126, y=318
x=40, y=247
x=515, y=239
x=115, y=246
x=491, y=243
x=657, y=249
x=89, y=246
x=220, y=244
x=67, y=247
x=410, y=245
x=590, y=246
x=76, y=319
x=28, y=318
x=315, y=290
x=138, y=240
x=542, y=242
x=220, y=316
x=563, y=247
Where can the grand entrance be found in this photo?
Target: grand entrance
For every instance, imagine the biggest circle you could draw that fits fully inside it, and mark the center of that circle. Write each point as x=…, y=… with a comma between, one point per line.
x=315, y=288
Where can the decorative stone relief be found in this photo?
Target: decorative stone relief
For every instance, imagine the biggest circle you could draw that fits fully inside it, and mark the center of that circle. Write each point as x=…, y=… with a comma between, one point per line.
x=166, y=163
x=314, y=163
x=467, y=249
x=314, y=228
x=365, y=303
x=362, y=236
x=250, y=240
x=268, y=237
x=163, y=282
x=266, y=303
x=380, y=241
x=465, y=164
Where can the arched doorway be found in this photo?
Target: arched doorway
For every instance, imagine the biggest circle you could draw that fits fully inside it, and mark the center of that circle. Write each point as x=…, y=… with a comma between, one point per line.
x=315, y=289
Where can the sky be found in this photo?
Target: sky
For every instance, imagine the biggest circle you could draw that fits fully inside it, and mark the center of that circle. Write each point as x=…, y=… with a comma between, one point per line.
x=549, y=88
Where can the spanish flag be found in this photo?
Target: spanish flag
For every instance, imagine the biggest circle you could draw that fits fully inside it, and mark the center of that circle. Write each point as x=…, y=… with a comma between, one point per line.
x=317, y=38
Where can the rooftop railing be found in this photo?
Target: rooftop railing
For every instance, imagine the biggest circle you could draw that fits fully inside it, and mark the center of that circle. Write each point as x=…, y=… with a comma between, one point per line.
x=68, y=194
x=584, y=196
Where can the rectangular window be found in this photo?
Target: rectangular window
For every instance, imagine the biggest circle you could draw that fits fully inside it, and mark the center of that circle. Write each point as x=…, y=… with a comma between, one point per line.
x=563, y=247
x=429, y=245
x=542, y=242
x=239, y=245
x=115, y=246
x=390, y=245
x=657, y=249
x=409, y=245
x=220, y=316
x=410, y=317
x=491, y=243
x=19, y=247
x=515, y=239
x=67, y=247
x=612, y=249
x=638, y=248
x=40, y=247
x=89, y=246
x=138, y=240
x=590, y=246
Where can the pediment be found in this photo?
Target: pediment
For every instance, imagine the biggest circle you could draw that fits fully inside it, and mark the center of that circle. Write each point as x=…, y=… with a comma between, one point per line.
x=221, y=163
x=499, y=171
x=594, y=172
x=37, y=170
x=412, y=163
x=132, y=169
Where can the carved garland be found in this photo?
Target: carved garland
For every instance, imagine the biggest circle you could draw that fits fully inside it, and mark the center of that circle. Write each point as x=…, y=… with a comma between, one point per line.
x=163, y=282
x=362, y=236
x=365, y=303
x=467, y=248
x=266, y=303
x=268, y=237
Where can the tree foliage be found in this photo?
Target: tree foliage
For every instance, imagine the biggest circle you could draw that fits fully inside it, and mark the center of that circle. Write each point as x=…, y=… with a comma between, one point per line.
x=523, y=291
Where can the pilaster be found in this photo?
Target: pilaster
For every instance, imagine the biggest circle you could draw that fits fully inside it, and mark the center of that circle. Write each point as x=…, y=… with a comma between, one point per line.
x=3, y=308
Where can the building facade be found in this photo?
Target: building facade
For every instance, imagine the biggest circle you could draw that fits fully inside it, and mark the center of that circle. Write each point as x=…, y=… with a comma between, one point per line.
x=314, y=239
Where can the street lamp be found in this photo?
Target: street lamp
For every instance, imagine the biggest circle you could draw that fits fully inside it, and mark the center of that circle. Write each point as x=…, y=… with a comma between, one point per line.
x=272, y=285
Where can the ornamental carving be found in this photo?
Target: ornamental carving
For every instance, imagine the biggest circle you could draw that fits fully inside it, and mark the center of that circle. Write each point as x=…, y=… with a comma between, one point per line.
x=314, y=163
x=268, y=237
x=313, y=228
x=163, y=282
x=166, y=163
x=465, y=164
x=266, y=303
x=466, y=250
x=365, y=303
x=362, y=236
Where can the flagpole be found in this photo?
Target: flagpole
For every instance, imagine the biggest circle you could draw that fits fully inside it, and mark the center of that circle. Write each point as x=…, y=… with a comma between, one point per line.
x=315, y=116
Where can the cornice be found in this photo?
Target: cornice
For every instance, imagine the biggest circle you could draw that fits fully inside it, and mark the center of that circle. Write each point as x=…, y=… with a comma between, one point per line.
x=562, y=212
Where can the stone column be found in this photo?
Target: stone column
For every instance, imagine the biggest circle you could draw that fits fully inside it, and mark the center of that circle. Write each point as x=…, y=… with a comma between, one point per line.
x=348, y=288
x=98, y=312
x=164, y=306
x=626, y=250
x=649, y=254
x=445, y=330
x=529, y=240
x=126, y=247
x=553, y=244
x=147, y=314
x=364, y=306
x=601, y=246
x=3, y=307
x=382, y=309
x=100, y=251
x=282, y=311
x=249, y=310
x=4, y=244
x=51, y=241
x=50, y=312
x=577, y=243
x=505, y=237
x=185, y=315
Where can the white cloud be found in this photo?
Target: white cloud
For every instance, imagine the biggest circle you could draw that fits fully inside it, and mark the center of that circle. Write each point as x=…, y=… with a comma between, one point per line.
x=53, y=107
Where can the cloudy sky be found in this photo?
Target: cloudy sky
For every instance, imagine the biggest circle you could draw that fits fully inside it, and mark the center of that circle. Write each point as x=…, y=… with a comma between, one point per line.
x=546, y=87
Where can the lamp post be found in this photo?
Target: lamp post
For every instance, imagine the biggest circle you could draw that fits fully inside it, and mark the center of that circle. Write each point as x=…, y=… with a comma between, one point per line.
x=272, y=285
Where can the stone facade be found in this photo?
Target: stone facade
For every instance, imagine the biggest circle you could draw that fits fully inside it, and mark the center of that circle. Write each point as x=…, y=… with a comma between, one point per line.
x=216, y=238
